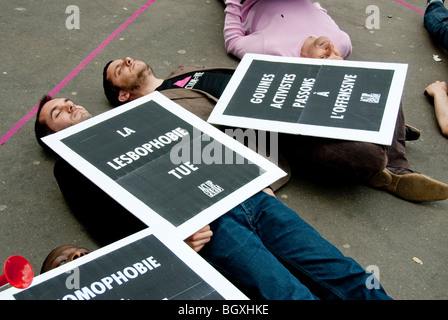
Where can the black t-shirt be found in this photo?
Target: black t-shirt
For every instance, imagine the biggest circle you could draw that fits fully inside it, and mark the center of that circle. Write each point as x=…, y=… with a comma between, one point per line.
x=210, y=82
x=105, y=219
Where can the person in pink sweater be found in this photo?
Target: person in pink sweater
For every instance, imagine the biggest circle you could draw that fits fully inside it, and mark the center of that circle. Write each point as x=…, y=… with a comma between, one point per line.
x=289, y=28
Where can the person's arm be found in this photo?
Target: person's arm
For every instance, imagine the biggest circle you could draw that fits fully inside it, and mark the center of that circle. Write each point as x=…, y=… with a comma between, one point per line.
x=438, y=91
x=198, y=240
x=105, y=219
x=236, y=41
x=233, y=29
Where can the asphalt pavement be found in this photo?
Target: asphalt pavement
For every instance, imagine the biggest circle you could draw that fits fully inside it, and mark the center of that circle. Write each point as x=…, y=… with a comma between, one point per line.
x=42, y=53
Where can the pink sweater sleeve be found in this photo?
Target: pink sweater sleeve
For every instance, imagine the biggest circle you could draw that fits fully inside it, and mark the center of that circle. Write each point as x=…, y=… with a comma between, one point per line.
x=236, y=41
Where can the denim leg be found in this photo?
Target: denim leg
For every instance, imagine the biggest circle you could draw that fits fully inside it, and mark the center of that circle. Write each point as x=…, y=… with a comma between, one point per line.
x=265, y=248
x=238, y=253
x=329, y=274
x=277, y=238
x=435, y=21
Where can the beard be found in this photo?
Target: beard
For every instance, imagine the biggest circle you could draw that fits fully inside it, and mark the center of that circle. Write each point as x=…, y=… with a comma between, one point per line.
x=140, y=78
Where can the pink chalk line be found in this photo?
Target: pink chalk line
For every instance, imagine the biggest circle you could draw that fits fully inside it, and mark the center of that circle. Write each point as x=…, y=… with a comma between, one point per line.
x=410, y=7
x=72, y=74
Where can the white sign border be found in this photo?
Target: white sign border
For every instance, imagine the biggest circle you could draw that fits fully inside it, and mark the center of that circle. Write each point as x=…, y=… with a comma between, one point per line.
x=179, y=248
x=383, y=136
x=137, y=207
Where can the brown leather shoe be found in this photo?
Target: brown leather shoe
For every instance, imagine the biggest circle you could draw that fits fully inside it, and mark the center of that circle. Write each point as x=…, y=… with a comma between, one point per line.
x=411, y=186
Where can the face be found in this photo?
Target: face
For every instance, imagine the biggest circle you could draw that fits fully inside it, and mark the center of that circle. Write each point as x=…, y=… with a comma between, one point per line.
x=323, y=48
x=128, y=74
x=62, y=113
x=62, y=255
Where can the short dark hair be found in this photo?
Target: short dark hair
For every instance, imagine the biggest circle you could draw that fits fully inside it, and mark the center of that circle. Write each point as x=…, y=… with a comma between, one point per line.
x=110, y=90
x=41, y=129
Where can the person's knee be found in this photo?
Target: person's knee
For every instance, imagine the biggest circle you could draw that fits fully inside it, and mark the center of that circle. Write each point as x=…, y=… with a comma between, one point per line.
x=377, y=161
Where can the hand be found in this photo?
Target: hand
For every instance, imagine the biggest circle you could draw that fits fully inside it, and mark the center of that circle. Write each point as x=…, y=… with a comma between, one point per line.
x=438, y=87
x=198, y=240
x=269, y=192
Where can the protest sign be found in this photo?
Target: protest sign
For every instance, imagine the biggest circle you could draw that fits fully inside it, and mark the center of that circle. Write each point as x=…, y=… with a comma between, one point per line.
x=348, y=100
x=143, y=266
x=163, y=164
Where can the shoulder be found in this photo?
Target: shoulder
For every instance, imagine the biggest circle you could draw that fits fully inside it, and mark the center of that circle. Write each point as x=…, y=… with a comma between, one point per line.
x=193, y=68
x=197, y=102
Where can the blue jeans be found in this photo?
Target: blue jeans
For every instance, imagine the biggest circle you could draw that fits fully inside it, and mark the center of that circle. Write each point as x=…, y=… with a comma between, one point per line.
x=269, y=252
x=435, y=21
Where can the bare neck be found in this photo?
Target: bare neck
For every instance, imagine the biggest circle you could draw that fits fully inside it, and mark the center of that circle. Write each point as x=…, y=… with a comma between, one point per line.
x=150, y=86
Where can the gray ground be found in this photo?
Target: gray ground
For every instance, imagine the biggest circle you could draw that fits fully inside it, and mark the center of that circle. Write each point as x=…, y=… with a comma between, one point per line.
x=372, y=226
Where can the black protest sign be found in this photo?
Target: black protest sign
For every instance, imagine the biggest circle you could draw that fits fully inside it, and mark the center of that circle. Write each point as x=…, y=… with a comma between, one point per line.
x=347, y=97
x=159, y=164
x=138, y=158
x=143, y=269
x=266, y=91
x=349, y=100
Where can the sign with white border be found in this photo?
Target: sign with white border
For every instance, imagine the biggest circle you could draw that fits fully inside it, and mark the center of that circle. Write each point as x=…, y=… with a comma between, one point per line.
x=129, y=153
x=146, y=266
x=340, y=99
